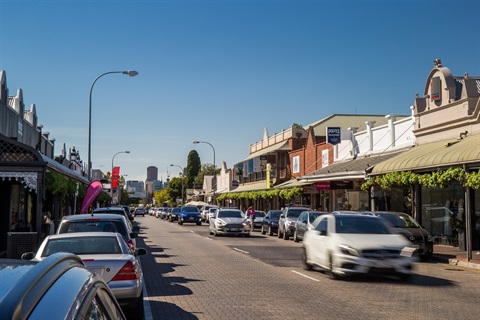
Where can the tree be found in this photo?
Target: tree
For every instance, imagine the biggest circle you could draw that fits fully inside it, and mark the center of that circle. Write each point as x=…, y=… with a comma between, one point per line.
x=161, y=196
x=193, y=168
x=174, y=189
x=206, y=170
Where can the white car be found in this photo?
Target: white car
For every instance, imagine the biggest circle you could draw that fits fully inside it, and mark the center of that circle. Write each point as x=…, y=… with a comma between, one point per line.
x=229, y=221
x=106, y=254
x=347, y=244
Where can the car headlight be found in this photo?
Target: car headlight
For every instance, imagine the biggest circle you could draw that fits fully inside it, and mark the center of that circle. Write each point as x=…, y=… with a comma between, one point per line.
x=290, y=223
x=220, y=222
x=348, y=250
x=246, y=223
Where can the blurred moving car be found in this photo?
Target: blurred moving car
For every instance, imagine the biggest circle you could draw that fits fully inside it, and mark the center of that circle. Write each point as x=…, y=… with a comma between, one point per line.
x=270, y=222
x=189, y=214
x=106, y=254
x=59, y=287
x=347, y=244
x=286, y=223
x=305, y=223
x=258, y=220
x=411, y=229
x=100, y=222
x=229, y=221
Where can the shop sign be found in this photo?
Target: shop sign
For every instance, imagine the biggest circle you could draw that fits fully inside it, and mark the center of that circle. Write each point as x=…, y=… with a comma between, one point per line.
x=335, y=185
x=310, y=189
x=435, y=89
x=322, y=185
x=334, y=135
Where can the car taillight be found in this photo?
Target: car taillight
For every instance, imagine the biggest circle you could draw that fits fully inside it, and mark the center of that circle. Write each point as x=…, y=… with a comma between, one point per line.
x=128, y=272
x=131, y=244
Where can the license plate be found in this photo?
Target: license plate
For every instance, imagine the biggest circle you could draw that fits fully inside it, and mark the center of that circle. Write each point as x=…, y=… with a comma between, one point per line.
x=381, y=264
x=233, y=229
x=191, y=218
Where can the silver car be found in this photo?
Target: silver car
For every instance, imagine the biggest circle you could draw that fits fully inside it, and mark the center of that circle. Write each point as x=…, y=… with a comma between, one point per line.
x=229, y=221
x=106, y=254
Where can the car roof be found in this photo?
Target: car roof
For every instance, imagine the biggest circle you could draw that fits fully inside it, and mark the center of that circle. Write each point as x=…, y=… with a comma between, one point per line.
x=84, y=235
x=102, y=216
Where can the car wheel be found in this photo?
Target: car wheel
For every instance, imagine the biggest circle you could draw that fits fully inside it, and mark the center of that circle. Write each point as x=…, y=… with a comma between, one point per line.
x=180, y=222
x=295, y=237
x=307, y=265
x=270, y=231
x=329, y=272
x=247, y=235
x=263, y=230
x=285, y=235
x=210, y=232
x=405, y=277
x=215, y=234
x=199, y=223
x=279, y=233
x=137, y=312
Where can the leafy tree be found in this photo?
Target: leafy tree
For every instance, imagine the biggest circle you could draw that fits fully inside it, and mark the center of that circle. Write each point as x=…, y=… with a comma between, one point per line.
x=207, y=169
x=174, y=189
x=161, y=196
x=193, y=168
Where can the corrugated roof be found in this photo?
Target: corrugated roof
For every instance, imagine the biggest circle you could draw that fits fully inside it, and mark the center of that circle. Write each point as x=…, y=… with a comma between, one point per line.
x=251, y=187
x=434, y=155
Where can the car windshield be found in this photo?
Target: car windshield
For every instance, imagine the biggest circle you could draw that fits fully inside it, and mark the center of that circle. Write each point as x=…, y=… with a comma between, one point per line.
x=230, y=214
x=275, y=215
x=94, y=226
x=294, y=213
x=175, y=210
x=82, y=245
x=400, y=221
x=259, y=214
x=190, y=209
x=361, y=226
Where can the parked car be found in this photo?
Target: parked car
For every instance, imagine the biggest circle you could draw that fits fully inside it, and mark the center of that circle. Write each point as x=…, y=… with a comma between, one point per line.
x=286, y=223
x=59, y=287
x=189, y=214
x=229, y=221
x=258, y=219
x=304, y=223
x=113, y=210
x=411, y=229
x=173, y=215
x=270, y=222
x=106, y=254
x=100, y=222
x=211, y=213
x=204, y=211
x=347, y=244
x=127, y=211
x=139, y=211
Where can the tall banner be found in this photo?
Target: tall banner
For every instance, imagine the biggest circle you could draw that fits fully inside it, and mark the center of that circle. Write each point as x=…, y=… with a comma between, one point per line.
x=115, y=177
x=93, y=191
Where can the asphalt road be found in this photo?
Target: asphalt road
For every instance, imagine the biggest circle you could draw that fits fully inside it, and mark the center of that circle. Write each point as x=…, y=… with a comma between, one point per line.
x=190, y=274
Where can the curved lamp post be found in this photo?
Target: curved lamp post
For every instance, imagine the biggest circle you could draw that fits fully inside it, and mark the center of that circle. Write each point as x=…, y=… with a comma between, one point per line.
x=183, y=177
x=111, y=176
x=130, y=73
x=214, y=182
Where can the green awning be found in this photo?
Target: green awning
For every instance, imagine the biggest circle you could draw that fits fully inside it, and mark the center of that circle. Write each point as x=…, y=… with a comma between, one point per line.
x=435, y=155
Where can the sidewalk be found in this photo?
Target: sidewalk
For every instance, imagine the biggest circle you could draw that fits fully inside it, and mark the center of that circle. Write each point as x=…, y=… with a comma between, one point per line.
x=456, y=257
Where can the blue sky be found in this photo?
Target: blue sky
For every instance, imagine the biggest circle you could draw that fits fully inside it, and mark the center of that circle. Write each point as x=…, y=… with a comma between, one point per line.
x=221, y=71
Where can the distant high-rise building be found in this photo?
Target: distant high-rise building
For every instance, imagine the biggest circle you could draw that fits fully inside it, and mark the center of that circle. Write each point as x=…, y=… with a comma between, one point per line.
x=135, y=186
x=152, y=173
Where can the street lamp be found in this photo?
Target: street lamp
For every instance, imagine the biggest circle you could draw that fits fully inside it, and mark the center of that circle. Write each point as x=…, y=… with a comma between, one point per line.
x=183, y=177
x=214, y=182
x=111, y=175
x=130, y=73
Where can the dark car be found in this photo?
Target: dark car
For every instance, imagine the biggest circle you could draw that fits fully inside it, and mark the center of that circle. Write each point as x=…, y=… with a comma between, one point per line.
x=173, y=215
x=304, y=223
x=59, y=287
x=189, y=214
x=127, y=211
x=286, y=224
x=411, y=229
x=114, y=210
x=270, y=222
x=139, y=211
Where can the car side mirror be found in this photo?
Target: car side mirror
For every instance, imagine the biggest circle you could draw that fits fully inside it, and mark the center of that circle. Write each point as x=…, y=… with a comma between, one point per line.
x=28, y=256
x=133, y=235
x=140, y=252
x=136, y=229
x=282, y=216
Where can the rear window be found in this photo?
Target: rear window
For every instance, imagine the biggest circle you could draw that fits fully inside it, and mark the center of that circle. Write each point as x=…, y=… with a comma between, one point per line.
x=93, y=226
x=83, y=245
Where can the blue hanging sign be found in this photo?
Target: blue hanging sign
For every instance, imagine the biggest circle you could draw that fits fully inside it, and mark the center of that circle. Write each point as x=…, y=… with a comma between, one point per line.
x=334, y=135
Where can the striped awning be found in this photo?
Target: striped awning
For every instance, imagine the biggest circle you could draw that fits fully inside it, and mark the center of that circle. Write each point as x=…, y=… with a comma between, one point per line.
x=435, y=155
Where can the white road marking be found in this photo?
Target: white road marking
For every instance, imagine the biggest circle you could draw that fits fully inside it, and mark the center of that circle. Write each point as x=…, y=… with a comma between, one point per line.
x=304, y=275
x=208, y=238
x=246, y=252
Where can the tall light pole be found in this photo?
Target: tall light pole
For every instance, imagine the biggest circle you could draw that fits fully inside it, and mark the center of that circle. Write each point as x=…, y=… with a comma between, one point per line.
x=214, y=181
x=130, y=73
x=183, y=176
x=111, y=175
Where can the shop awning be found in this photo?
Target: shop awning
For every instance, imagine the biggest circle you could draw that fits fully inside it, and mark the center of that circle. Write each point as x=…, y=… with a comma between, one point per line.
x=348, y=170
x=442, y=154
x=276, y=147
x=251, y=187
x=291, y=184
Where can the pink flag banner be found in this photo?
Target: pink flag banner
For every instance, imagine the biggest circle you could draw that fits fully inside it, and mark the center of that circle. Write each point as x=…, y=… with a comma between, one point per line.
x=93, y=191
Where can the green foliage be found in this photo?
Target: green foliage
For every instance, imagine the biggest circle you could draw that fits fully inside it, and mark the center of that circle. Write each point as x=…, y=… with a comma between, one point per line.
x=162, y=196
x=193, y=168
x=206, y=170
x=287, y=194
x=174, y=189
x=59, y=185
x=435, y=179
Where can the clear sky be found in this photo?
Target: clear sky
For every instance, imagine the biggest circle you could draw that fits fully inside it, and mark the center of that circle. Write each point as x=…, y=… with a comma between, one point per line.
x=221, y=71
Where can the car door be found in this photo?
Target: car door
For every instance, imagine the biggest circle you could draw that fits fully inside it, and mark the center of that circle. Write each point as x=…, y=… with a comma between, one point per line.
x=212, y=226
x=301, y=224
x=319, y=241
x=266, y=221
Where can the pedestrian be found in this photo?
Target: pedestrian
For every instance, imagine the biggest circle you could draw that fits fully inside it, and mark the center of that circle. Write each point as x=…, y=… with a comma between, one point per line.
x=251, y=215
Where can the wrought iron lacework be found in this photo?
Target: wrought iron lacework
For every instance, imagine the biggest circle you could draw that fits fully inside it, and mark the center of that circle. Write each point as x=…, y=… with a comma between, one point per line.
x=10, y=152
x=29, y=179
